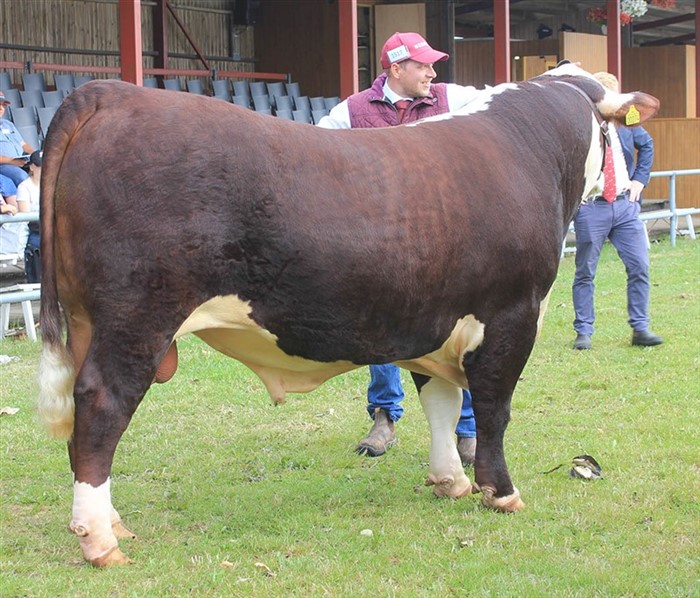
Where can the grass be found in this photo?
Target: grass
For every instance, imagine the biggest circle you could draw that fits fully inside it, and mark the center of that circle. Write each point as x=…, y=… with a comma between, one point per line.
x=232, y=496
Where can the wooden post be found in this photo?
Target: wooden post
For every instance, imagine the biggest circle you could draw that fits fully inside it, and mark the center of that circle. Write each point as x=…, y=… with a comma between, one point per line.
x=614, y=40
x=697, y=59
x=130, y=47
x=347, y=30
x=501, y=40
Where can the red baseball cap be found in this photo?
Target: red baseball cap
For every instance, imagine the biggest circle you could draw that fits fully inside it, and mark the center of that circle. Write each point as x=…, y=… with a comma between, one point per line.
x=3, y=99
x=409, y=46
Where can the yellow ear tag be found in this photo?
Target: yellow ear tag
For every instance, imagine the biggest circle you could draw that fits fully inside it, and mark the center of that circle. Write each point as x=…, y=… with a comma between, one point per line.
x=632, y=116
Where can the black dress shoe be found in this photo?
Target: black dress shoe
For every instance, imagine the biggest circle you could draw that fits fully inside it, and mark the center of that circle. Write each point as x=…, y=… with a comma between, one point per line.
x=644, y=338
x=582, y=342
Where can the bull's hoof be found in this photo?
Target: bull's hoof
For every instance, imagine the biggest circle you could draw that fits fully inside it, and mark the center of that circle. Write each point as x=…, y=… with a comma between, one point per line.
x=504, y=504
x=113, y=558
x=447, y=487
x=120, y=531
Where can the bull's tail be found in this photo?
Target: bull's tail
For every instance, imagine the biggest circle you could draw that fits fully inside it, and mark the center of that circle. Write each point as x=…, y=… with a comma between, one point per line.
x=55, y=404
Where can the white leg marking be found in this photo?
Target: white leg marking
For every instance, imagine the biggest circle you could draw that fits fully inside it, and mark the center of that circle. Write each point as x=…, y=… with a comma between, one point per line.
x=442, y=403
x=92, y=519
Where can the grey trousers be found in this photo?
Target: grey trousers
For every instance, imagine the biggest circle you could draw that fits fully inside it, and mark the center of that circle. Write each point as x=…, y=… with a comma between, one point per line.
x=595, y=222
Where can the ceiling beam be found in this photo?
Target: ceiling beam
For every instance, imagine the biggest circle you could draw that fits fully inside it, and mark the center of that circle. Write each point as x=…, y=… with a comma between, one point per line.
x=663, y=22
x=478, y=5
x=665, y=41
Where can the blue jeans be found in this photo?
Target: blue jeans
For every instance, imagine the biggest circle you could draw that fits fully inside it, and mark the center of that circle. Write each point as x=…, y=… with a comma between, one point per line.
x=385, y=392
x=15, y=173
x=618, y=221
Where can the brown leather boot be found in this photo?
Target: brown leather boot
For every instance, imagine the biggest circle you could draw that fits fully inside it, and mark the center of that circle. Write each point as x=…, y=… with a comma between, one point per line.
x=380, y=437
x=466, y=447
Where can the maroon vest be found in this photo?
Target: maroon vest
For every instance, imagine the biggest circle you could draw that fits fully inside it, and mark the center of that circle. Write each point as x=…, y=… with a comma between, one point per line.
x=369, y=109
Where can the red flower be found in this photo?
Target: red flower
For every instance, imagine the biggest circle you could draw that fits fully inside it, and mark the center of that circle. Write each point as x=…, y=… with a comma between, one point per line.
x=664, y=3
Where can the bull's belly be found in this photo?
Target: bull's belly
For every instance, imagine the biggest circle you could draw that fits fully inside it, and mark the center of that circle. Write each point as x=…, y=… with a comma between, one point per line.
x=225, y=324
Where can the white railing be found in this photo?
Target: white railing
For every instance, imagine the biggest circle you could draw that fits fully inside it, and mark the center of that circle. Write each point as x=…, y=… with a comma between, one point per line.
x=673, y=213
x=20, y=293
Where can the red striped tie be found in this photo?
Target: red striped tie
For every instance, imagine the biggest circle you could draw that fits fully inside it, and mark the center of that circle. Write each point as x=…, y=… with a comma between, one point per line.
x=401, y=106
x=609, y=185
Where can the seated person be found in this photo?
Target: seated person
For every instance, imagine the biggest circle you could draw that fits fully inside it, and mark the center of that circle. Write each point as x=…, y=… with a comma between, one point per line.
x=28, y=201
x=12, y=147
x=8, y=196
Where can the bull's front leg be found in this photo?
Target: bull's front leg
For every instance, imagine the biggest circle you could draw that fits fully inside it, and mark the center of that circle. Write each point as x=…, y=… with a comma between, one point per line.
x=442, y=403
x=493, y=372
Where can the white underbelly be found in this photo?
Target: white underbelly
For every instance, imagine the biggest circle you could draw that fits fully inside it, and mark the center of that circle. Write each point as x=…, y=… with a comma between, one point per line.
x=224, y=323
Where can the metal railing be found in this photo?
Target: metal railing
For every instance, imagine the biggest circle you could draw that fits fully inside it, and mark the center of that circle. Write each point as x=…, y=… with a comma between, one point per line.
x=673, y=212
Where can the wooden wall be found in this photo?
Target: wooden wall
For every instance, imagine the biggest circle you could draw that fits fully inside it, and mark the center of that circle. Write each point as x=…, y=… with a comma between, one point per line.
x=676, y=147
x=92, y=27
x=590, y=50
x=667, y=72
x=300, y=38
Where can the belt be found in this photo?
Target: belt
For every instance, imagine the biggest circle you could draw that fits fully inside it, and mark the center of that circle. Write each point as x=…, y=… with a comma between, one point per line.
x=601, y=199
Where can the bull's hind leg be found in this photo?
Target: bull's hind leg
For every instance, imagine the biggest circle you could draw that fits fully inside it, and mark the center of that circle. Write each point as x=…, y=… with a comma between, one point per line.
x=442, y=403
x=105, y=400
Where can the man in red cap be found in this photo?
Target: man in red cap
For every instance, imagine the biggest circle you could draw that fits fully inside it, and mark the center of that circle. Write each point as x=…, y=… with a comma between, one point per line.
x=403, y=93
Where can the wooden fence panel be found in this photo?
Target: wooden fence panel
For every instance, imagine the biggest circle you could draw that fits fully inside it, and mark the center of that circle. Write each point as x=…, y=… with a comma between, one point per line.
x=676, y=147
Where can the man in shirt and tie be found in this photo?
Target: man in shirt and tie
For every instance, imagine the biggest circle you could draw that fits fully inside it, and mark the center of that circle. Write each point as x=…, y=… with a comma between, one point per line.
x=613, y=214
x=403, y=93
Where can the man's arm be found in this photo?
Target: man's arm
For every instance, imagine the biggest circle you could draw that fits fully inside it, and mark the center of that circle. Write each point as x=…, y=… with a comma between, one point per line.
x=337, y=118
x=645, y=155
x=644, y=145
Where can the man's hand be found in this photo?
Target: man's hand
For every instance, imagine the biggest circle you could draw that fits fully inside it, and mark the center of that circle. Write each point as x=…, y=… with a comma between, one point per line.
x=635, y=190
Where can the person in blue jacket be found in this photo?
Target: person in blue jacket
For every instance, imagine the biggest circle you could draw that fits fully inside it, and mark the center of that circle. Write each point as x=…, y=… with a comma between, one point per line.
x=612, y=213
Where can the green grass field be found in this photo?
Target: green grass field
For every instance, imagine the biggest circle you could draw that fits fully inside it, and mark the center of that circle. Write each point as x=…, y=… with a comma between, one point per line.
x=232, y=496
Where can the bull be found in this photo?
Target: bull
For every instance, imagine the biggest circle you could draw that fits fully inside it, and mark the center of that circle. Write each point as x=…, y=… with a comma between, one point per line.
x=304, y=253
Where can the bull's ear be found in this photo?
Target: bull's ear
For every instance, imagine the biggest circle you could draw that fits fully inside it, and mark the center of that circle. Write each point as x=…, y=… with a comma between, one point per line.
x=636, y=108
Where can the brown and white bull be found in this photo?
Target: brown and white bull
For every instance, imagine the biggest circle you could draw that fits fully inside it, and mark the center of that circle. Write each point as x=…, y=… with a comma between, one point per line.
x=304, y=253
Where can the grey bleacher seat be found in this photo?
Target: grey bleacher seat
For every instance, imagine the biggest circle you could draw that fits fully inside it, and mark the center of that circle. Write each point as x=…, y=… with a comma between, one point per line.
x=276, y=88
x=258, y=88
x=45, y=115
x=283, y=103
x=293, y=89
x=221, y=89
x=195, y=86
x=5, y=80
x=52, y=98
x=13, y=96
x=286, y=114
x=261, y=102
x=30, y=135
x=64, y=83
x=301, y=116
x=82, y=79
x=25, y=117
x=317, y=103
x=302, y=103
x=317, y=115
x=241, y=101
x=34, y=81
x=331, y=102
x=151, y=82
x=173, y=84
x=32, y=97
x=240, y=88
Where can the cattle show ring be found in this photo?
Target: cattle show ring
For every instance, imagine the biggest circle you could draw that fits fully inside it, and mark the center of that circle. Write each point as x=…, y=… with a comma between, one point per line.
x=216, y=279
